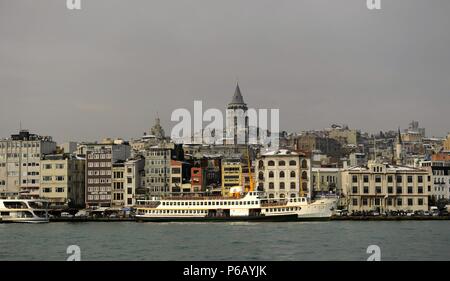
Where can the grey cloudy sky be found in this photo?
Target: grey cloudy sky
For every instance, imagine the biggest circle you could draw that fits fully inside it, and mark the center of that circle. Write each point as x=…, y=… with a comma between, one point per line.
x=107, y=69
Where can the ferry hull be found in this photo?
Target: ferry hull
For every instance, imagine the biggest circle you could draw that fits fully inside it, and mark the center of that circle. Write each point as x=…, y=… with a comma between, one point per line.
x=283, y=218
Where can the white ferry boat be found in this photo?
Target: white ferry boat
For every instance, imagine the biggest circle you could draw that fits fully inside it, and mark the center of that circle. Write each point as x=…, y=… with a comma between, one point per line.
x=321, y=209
x=251, y=206
x=209, y=208
x=23, y=210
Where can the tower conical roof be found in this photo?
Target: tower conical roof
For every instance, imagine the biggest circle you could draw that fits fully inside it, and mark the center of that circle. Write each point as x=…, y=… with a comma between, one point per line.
x=237, y=97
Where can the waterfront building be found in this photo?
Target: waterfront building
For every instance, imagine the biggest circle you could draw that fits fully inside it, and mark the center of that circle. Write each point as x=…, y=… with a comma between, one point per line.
x=384, y=187
x=198, y=179
x=284, y=174
x=439, y=168
x=179, y=175
x=158, y=167
x=134, y=172
x=118, y=185
x=326, y=180
x=20, y=159
x=231, y=174
x=100, y=158
x=63, y=180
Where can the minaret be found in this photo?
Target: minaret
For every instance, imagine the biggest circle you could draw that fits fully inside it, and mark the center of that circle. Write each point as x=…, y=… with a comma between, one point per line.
x=236, y=110
x=399, y=149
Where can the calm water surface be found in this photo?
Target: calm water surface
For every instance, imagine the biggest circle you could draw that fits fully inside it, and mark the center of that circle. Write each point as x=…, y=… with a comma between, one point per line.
x=339, y=240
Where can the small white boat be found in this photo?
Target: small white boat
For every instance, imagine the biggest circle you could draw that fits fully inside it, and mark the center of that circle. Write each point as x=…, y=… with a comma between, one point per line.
x=23, y=211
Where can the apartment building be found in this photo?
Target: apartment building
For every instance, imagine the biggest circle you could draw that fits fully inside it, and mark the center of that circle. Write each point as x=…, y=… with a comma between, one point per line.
x=20, y=159
x=63, y=180
x=99, y=171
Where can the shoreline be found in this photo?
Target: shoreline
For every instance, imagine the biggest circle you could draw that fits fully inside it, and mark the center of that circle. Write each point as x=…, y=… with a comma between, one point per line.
x=335, y=218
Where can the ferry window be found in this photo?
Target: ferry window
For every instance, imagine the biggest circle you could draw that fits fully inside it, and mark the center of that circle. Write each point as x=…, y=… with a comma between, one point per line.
x=240, y=202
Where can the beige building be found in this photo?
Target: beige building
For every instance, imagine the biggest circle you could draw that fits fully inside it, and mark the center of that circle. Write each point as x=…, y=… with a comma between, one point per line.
x=63, y=180
x=384, y=187
x=283, y=174
x=126, y=179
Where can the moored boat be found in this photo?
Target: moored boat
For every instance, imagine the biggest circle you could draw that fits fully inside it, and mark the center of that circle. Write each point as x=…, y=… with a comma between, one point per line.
x=23, y=211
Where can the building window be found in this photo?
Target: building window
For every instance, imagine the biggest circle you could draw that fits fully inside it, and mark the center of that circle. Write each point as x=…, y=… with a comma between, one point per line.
x=355, y=202
x=389, y=201
x=354, y=179
x=389, y=178
x=390, y=189
x=271, y=163
x=420, y=189
x=292, y=185
x=304, y=164
x=399, y=201
x=377, y=189
x=47, y=190
x=292, y=163
x=366, y=178
x=399, y=190
x=399, y=179
x=271, y=185
x=364, y=201
x=304, y=176
x=420, y=201
x=281, y=185
x=354, y=189
x=410, y=189
x=410, y=201
x=410, y=179
x=60, y=189
x=270, y=174
x=377, y=201
x=366, y=189
x=281, y=163
x=292, y=174
x=377, y=178
x=420, y=179
x=281, y=174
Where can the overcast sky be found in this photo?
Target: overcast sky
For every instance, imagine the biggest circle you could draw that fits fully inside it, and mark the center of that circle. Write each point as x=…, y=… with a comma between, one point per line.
x=107, y=69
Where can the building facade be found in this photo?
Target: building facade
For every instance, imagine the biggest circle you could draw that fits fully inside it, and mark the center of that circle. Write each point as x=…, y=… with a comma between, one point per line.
x=326, y=180
x=283, y=174
x=99, y=172
x=231, y=174
x=384, y=187
x=157, y=169
x=63, y=180
x=20, y=158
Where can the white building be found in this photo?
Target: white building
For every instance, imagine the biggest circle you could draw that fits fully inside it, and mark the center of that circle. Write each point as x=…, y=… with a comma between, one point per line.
x=282, y=173
x=440, y=178
x=20, y=158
